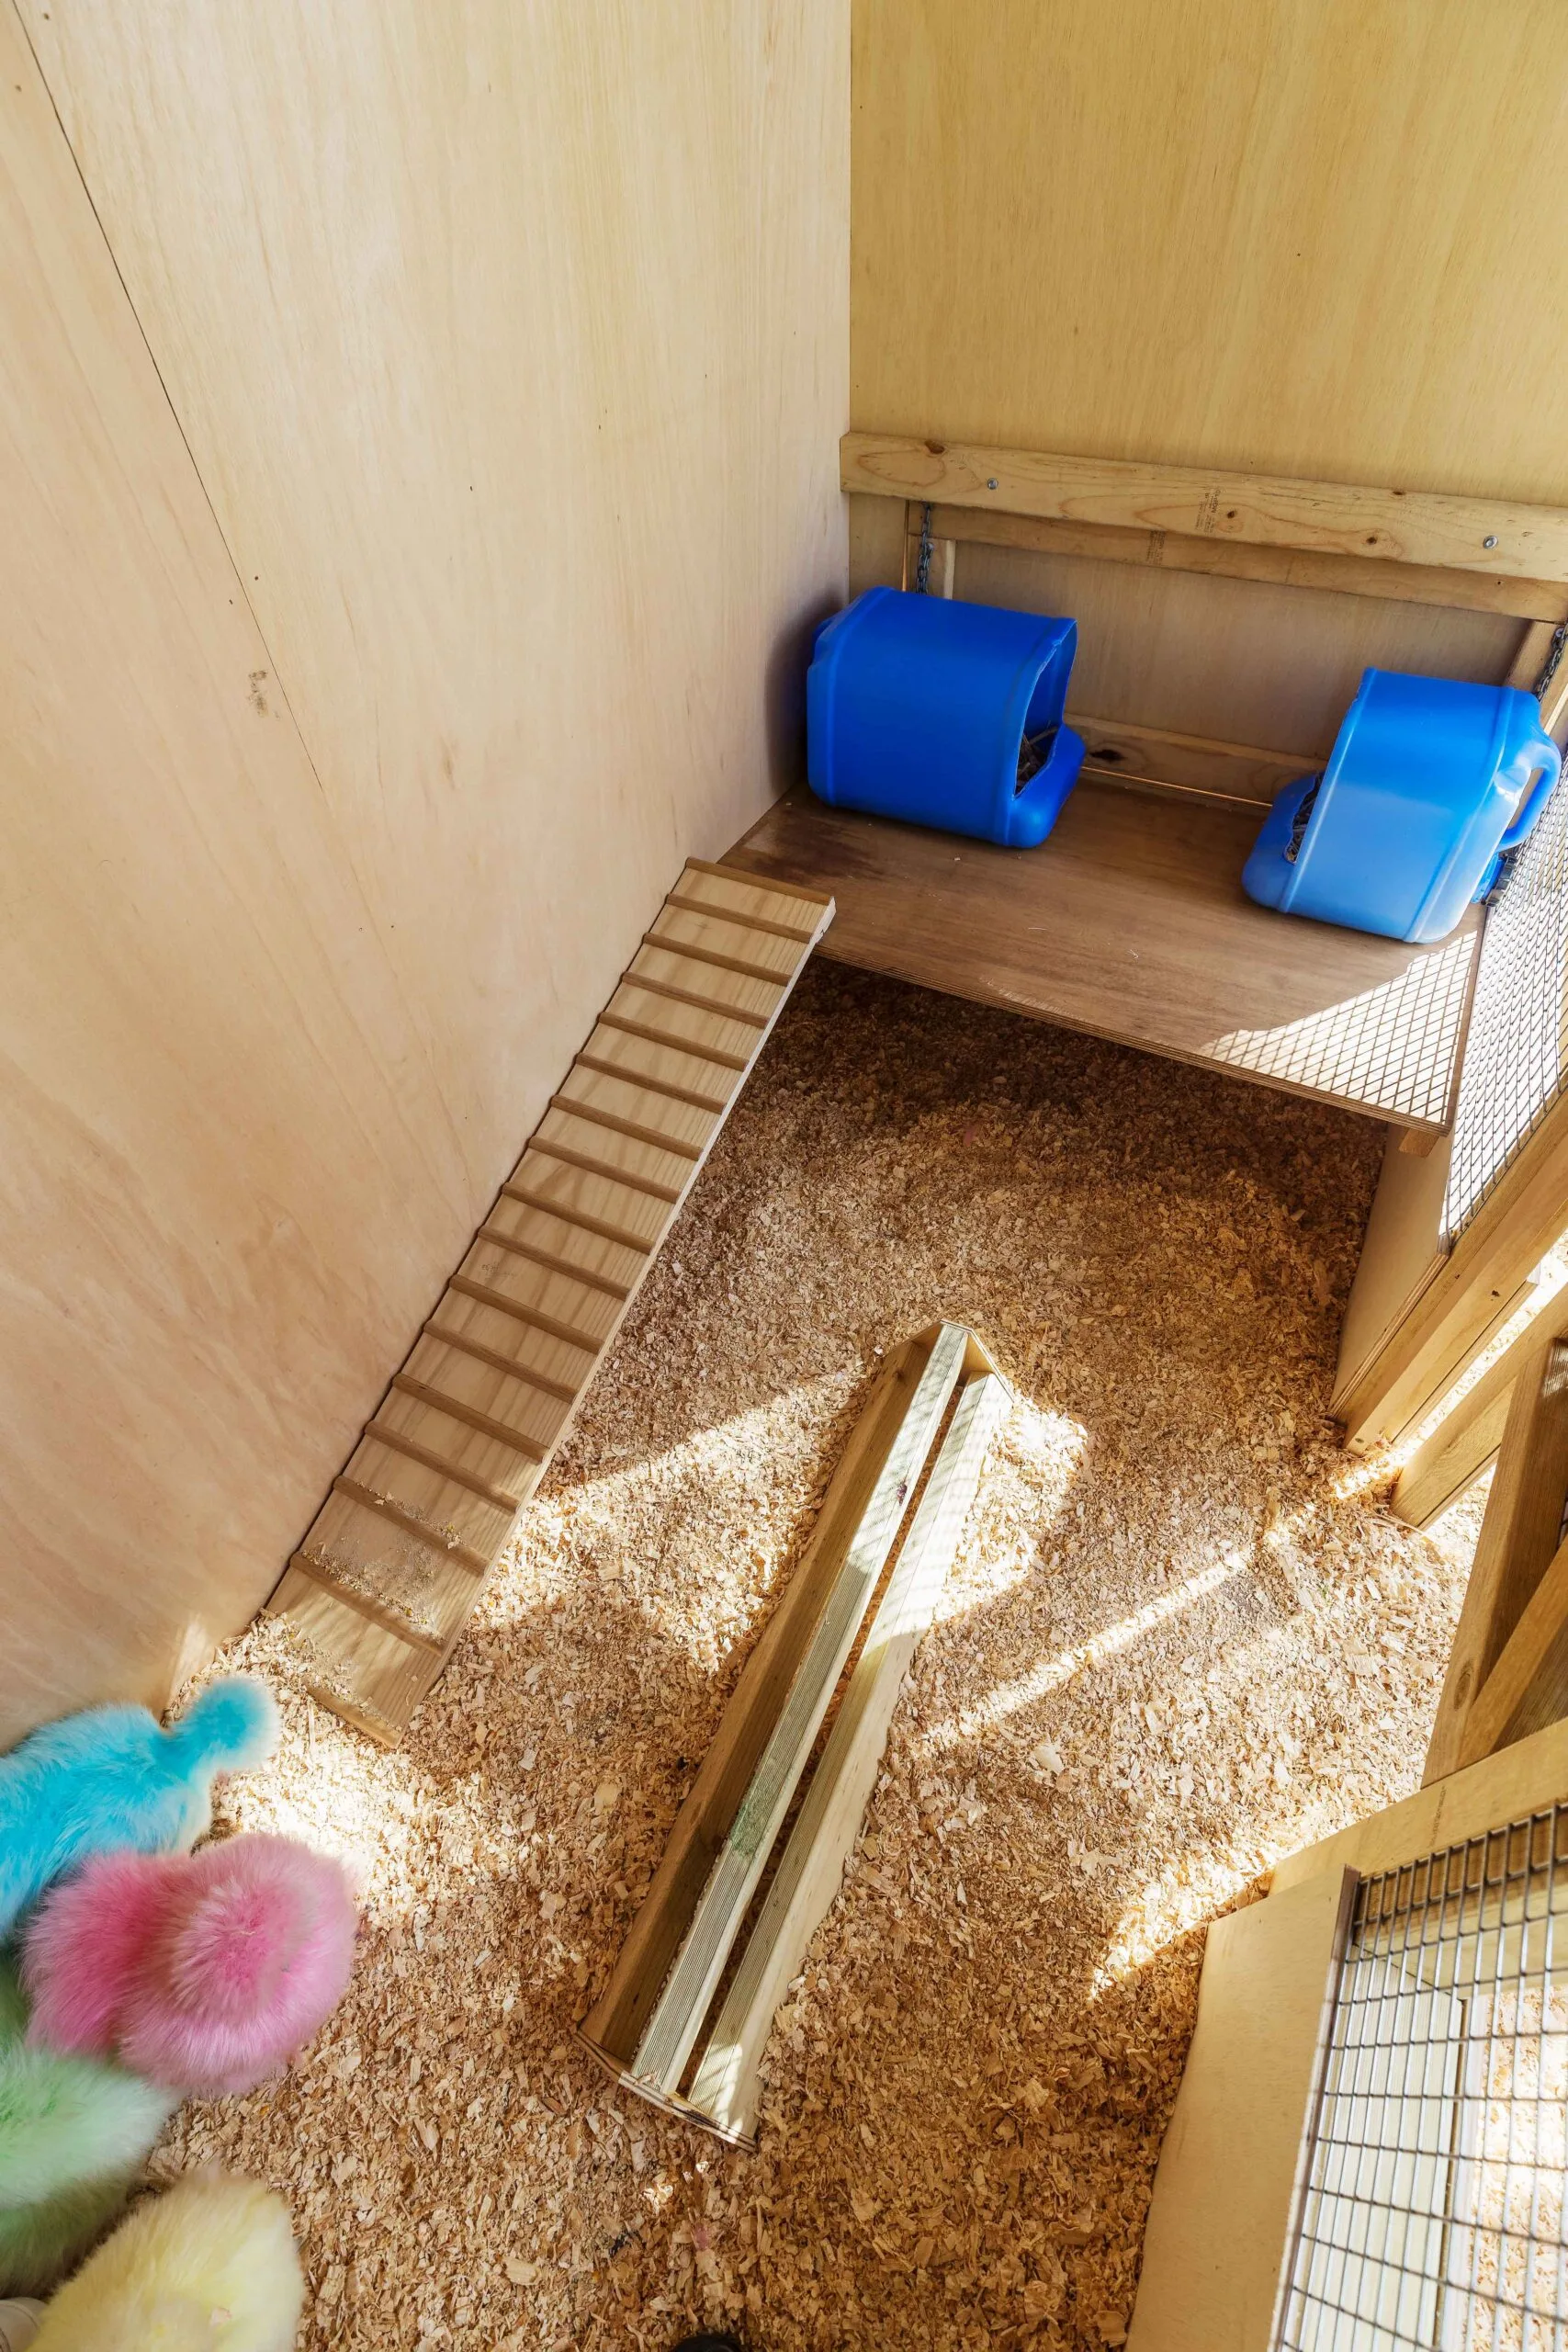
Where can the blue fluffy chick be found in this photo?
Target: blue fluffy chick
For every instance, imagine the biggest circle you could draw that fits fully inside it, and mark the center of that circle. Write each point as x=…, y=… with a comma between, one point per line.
x=113, y=1777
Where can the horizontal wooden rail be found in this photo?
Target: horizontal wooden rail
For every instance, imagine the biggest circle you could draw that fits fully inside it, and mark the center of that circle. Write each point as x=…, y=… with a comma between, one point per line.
x=673, y=946
x=600, y=1118
x=631, y=1077
x=552, y=1263
x=1498, y=537
x=621, y=1234
x=553, y=1329
x=672, y=1044
x=390, y=1621
x=549, y=1150
x=560, y=1389
x=421, y=1530
x=737, y=921
x=1344, y=575
x=383, y=1433
x=503, y=1431
x=714, y=1004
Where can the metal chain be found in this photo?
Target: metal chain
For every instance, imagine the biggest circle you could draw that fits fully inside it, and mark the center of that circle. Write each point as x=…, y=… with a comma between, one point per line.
x=1554, y=659
x=923, y=569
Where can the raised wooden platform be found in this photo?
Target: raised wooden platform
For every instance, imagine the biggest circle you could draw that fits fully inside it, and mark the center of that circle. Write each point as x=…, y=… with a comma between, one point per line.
x=1131, y=923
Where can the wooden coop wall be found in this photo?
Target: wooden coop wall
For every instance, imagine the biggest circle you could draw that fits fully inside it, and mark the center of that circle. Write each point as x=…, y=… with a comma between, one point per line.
x=418, y=447
x=1300, y=240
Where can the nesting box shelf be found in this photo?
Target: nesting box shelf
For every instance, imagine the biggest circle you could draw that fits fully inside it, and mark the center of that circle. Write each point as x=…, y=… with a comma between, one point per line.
x=1131, y=923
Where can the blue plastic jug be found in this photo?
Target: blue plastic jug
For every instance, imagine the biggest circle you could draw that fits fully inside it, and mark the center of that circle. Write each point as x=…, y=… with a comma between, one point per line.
x=1428, y=785
x=943, y=714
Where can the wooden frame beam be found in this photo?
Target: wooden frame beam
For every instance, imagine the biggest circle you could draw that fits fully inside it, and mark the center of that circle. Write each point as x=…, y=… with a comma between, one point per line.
x=1459, y=1449
x=1494, y=538
x=1464, y=1296
x=1520, y=1537
x=1345, y=575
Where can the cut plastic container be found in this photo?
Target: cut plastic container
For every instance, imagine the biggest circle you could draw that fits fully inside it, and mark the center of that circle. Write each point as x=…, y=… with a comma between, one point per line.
x=1428, y=784
x=944, y=714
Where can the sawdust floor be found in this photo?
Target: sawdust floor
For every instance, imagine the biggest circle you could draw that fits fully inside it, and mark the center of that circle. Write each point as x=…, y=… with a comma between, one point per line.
x=1183, y=1638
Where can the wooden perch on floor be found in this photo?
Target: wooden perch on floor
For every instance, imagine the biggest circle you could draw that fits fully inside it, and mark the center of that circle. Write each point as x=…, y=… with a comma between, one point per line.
x=727, y=2085
x=650, y=2017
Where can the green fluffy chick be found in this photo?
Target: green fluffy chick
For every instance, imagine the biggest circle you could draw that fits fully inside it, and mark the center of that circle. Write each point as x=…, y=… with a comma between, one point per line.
x=73, y=2135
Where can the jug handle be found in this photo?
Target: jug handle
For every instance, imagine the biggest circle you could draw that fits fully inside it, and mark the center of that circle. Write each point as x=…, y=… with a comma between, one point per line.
x=1550, y=759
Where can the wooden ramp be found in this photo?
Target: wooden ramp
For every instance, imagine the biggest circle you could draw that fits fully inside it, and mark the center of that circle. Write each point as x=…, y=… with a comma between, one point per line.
x=398, y=1554
x=1130, y=921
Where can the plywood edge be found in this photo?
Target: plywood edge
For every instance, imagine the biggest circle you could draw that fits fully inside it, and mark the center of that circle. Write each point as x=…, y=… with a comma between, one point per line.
x=1227, y=2188
x=1500, y=1788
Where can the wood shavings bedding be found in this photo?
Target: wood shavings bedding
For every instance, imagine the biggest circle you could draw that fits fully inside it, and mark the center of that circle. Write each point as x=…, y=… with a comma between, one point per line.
x=1184, y=1637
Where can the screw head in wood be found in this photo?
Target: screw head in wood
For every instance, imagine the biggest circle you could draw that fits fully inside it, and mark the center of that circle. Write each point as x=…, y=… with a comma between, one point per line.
x=992, y=483
x=1490, y=542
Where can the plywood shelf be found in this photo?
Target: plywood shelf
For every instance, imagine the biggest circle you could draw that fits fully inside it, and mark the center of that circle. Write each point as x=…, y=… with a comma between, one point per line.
x=1131, y=923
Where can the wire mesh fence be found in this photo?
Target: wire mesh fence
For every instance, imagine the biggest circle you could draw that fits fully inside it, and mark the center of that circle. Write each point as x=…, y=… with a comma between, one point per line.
x=1516, y=1052
x=1434, y=2209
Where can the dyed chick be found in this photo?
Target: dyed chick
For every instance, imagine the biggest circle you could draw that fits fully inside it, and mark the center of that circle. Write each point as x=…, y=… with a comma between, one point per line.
x=74, y=2133
x=113, y=1777
x=204, y=1972
x=211, y=2267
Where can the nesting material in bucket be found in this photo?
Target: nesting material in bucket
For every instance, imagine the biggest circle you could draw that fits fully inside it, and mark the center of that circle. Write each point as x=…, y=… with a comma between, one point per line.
x=1429, y=785
x=943, y=714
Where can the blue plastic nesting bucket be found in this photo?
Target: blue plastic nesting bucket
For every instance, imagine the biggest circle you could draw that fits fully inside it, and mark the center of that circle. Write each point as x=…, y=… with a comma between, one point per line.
x=943, y=714
x=1428, y=784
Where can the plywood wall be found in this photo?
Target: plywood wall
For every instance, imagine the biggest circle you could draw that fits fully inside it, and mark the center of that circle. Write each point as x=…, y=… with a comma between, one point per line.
x=1304, y=237
x=417, y=455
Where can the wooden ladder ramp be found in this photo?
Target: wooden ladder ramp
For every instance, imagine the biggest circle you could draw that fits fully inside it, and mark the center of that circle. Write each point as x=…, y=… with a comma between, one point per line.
x=383, y=1584
x=653, y=2027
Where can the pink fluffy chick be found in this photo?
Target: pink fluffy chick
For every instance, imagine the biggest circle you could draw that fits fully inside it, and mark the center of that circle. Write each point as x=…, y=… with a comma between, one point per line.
x=204, y=1972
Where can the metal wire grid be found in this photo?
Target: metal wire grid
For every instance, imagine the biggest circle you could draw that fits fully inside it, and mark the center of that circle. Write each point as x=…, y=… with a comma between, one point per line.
x=1393, y=1047
x=1434, y=2212
x=1516, y=1052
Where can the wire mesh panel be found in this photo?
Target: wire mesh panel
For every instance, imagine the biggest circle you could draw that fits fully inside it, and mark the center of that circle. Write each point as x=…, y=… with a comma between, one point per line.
x=1516, y=1052
x=1433, y=2216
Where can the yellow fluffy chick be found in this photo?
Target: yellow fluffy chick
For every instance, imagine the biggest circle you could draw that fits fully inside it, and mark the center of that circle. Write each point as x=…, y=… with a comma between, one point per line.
x=209, y=2267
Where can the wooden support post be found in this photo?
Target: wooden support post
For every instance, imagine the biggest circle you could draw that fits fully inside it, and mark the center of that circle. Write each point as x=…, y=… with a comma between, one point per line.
x=1467, y=1438
x=1459, y=1449
x=1454, y=1304
x=1519, y=1537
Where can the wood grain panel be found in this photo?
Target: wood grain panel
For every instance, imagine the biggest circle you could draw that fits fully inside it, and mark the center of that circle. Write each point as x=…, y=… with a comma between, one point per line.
x=1302, y=240
x=1296, y=238
x=347, y=763
x=458, y=309
x=1247, y=660
x=216, y=1116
